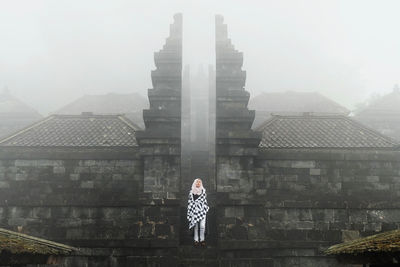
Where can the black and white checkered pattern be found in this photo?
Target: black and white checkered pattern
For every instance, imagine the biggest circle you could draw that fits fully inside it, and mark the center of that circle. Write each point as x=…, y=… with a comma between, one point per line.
x=197, y=209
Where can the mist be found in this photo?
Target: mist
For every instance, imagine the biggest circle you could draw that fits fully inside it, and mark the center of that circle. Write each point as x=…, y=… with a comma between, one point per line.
x=52, y=52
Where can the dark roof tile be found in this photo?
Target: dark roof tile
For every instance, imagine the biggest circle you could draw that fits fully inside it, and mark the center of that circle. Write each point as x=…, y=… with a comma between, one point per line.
x=17, y=243
x=310, y=131
x=86, y=130
x=386, y=242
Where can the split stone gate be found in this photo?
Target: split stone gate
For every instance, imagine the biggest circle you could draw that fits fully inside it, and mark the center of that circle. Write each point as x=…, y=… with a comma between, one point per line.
x=161, y=145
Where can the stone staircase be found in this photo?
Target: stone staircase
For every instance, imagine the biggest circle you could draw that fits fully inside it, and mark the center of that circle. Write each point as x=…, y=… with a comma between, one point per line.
x=198, y=256
x=210, y=256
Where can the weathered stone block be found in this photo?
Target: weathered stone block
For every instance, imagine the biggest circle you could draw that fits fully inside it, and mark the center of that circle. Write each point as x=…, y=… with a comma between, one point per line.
x=21, y=177
x=305, y=225
x=234, y=211
x=87, y=184
x=341, y=215
x=154, y=213
x=348, y=235
x=25, y=163
x=150, y=181
x=261, y=192
x=290, y=178
x=295, y=234
x=17, y=221
x=41, y=212
x=117, y=177
x=305, y=215
x=74, y=176
x=277, y=215
x=375, y=227
x=58, y=170
x=254, y=211
x=315, y=171
x=4, y=184
x=87, y=163
x=162, y=230
x=279, y=163
x=225, y=188
x=256, y=232
x=372, y=179
x=303, y=164
x=172, y=195
x=238, y=232
x=75, y=233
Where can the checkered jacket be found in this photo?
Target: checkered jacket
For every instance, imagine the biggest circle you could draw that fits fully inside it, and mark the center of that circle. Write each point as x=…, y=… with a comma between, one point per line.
x=197, y=209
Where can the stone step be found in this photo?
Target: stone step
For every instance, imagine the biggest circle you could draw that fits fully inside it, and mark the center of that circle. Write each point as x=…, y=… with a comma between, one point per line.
x=199, y=262
x=198, y=253
x=248, y=262
x=218, y=262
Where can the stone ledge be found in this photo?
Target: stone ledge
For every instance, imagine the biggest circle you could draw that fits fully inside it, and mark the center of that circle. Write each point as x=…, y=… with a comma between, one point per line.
x=252, y=244
x=330, y=154
x=66, y=153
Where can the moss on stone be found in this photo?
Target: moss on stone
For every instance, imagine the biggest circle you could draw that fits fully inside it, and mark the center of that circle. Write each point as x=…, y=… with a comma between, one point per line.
x=17, y=243
x=386, y=242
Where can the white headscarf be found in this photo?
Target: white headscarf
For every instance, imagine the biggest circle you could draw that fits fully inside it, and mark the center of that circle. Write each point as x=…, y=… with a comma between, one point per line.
x=197, y=190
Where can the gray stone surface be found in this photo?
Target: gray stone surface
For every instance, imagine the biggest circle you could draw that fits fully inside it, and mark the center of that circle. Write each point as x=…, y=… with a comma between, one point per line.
x=233, y=119
x=160, y=142
x=295, y=204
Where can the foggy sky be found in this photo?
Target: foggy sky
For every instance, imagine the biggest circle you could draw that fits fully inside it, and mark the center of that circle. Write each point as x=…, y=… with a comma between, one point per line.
x=52, y=52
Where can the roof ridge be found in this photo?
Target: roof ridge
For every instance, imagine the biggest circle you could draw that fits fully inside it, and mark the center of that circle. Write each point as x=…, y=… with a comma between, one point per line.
x=310, y=115
x=267, y=122
x=334, y=102
x=89, y=114
x=359, y=124
x=130, y=123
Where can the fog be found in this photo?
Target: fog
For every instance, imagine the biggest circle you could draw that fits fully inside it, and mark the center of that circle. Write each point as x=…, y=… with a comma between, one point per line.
x=52, y=52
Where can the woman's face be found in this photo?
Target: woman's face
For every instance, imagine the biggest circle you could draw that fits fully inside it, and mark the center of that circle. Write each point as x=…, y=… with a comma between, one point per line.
x=198, y=183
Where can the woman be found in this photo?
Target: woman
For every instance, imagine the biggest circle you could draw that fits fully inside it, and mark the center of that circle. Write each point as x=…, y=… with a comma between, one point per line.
x=197, y=210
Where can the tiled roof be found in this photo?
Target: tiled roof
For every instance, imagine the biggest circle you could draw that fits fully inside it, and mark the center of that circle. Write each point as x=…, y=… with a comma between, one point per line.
x=86, y=130
x=311, y=131
x=387, y=242
x=17, y=243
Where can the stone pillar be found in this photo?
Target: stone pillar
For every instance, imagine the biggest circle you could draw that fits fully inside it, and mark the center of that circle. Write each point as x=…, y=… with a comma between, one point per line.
x=160, y=142
x=211, y=127
x=236, y=143
x=186, y=144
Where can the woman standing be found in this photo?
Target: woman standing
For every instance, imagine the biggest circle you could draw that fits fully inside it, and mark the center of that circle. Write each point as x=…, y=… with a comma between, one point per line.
x=197, y=210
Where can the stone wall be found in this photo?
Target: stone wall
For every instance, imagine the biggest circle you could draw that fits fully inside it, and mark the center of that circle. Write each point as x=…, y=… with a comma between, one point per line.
x=297, y=203
x=283, y=209
x=88, y=198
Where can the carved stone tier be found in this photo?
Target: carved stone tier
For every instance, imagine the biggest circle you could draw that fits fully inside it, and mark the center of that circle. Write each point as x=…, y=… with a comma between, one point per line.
x=163, y=118
x=233, y=118
x=160, y=142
